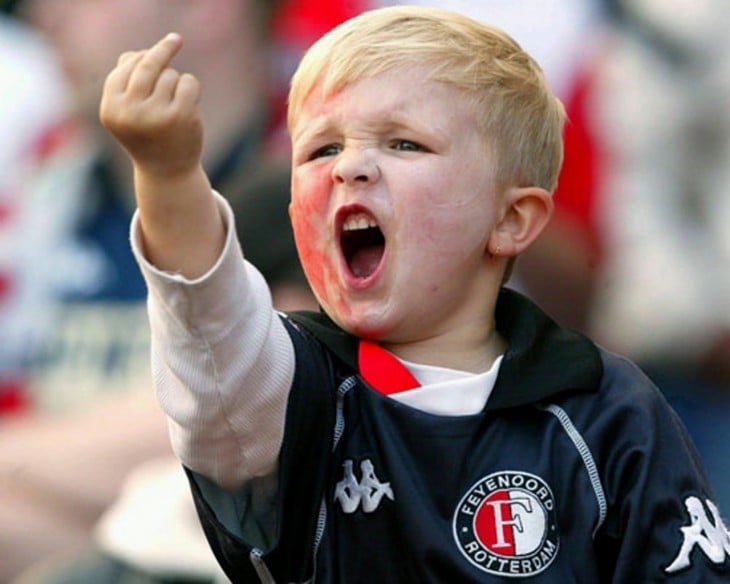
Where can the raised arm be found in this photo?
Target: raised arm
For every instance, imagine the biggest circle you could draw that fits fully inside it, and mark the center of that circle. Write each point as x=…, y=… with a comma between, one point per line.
x=152, y=110
x=222, y=360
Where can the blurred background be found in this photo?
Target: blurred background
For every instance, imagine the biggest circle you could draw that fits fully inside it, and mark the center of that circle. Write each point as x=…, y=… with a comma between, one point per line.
x=637, y=256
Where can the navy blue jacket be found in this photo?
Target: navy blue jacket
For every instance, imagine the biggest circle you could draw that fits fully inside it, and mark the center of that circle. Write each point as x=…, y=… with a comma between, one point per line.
x=576, y=471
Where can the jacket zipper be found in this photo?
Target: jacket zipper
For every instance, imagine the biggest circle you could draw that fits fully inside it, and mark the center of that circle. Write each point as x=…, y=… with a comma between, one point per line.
x=262, y=570
x=345, y=386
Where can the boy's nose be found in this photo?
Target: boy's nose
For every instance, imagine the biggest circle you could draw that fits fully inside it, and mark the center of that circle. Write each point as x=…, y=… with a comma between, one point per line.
x=355, y=166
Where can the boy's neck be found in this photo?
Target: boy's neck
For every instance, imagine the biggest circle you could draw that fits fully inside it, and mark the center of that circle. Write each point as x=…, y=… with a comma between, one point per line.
x=474, y=354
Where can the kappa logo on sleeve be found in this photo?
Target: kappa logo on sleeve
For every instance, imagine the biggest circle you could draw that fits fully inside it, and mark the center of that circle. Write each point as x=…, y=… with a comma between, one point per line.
x=710, y=536
x=505, y=524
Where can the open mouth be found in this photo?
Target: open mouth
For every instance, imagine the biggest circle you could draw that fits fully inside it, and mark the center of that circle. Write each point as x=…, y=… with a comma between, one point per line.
x=362, y=243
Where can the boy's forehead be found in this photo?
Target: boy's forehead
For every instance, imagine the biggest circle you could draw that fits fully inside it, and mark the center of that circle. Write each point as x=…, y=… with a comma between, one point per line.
x=391, y=94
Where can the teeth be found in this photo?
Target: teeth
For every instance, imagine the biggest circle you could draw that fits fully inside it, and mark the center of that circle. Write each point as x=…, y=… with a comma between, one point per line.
x=358, y=221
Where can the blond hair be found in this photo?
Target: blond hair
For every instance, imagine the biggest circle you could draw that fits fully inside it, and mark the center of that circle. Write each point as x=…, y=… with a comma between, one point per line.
x=520, y=117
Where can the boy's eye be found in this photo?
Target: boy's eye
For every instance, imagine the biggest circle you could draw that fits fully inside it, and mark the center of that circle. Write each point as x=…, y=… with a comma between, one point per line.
x=406, y=146
x=328, y=150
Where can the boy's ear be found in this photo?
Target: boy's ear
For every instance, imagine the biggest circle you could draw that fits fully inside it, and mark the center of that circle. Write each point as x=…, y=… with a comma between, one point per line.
x=525, y=212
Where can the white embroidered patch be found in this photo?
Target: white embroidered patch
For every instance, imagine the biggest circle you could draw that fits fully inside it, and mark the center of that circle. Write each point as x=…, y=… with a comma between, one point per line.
x=368, y=492
x=711, y=537
x=506, y=524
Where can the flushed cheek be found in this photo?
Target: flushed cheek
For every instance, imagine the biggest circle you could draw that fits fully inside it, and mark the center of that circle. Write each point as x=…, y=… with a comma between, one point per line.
x=431, y=231
x=315, y=245
x=310, y=242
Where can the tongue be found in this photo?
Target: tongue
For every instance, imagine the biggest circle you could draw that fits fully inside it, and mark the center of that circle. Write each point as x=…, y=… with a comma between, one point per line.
x=365, y=261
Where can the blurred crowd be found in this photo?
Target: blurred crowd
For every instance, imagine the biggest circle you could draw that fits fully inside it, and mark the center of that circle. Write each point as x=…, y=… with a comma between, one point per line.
x=637, y=255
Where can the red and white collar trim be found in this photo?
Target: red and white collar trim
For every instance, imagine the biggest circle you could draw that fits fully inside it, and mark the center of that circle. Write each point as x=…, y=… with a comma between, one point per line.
x=382, y=370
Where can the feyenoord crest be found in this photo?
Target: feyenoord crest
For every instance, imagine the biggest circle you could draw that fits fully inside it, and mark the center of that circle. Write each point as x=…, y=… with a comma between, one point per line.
x=505, y=524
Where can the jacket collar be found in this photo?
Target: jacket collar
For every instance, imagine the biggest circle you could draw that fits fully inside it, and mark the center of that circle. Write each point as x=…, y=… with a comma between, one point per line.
x=542, y=360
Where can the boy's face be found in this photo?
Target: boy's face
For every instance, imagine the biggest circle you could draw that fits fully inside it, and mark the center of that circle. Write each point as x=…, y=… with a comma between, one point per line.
x=392, y=206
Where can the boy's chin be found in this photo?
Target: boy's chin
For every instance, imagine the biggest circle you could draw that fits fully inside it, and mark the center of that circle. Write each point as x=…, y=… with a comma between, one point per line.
x=371, y=325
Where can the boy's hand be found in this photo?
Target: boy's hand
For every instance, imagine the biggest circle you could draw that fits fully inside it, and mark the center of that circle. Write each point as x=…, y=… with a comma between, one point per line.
x=152, y=110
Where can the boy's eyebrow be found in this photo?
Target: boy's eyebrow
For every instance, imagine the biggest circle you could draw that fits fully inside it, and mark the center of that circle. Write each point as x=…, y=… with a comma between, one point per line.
x=312, y=131
x=394, y=121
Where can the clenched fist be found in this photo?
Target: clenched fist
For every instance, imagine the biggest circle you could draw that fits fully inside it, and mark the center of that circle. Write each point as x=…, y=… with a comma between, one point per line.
x=152, y=110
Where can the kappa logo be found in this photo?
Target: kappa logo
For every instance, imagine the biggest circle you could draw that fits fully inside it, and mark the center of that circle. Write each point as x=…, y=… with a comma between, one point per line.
x=505, y=524
x=711, y=537
x=368, y=492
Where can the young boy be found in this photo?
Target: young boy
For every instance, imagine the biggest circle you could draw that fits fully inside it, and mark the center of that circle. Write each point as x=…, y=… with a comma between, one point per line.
x=429, y=425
